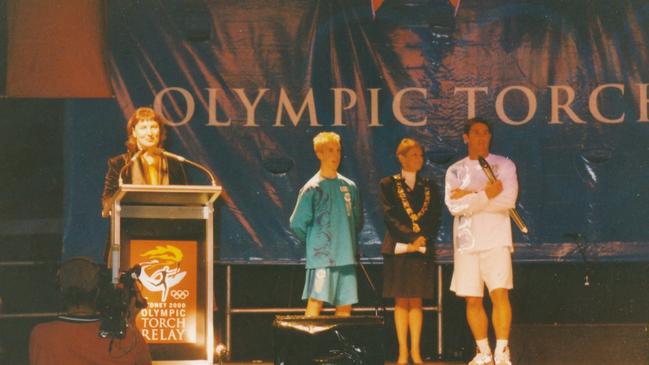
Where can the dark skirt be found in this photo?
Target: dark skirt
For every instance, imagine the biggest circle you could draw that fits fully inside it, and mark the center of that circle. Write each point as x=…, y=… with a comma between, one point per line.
x=408, y=276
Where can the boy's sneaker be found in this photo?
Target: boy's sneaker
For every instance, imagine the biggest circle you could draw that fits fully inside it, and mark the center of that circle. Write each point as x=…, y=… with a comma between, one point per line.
x=503, y=358
x=481, y=359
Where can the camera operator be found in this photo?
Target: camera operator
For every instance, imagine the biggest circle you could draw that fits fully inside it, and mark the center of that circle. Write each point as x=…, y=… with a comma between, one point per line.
x=73, y=338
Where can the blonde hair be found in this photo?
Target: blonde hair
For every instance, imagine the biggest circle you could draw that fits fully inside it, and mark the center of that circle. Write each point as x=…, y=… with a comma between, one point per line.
x=406, y=145
x=323, y=138
x=139, y=115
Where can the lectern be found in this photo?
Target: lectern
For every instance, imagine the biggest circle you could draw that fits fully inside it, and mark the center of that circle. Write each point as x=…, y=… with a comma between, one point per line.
x=169, y=231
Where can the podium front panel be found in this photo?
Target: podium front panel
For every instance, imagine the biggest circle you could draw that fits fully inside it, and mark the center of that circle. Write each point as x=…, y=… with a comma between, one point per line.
x=174, y=269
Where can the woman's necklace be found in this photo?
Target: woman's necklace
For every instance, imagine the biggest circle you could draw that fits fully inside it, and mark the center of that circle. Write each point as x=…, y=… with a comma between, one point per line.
x=414, y=217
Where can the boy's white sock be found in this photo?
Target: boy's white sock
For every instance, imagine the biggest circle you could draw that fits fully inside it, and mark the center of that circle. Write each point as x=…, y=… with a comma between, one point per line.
x=483, y=346
x=501, y=345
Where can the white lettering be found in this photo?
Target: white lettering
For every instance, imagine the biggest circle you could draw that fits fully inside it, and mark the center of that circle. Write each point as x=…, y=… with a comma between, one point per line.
x=338, y=101
x=396, y=107
x=374, y=102
x=593, y=105
x=531, y=105
x=189, y=101
x=561, y=109
x=470, y=98
x=250, y=107
x=642, y=103
x=160, y=334
x=212, y=110
x=285, y=103
x=556, y=104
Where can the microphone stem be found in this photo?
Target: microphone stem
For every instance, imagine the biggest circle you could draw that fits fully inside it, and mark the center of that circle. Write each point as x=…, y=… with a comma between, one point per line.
x=126, y=165
x=512, y=212
x=196, y=165
x=202, y=168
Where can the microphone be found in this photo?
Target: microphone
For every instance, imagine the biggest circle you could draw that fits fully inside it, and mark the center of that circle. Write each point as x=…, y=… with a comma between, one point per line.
x=126, y=165
x=492, y=178
x=105, y=211
x=195, y=164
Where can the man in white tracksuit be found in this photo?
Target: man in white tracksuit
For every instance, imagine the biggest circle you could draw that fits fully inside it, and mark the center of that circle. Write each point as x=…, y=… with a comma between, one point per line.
x=482, y=239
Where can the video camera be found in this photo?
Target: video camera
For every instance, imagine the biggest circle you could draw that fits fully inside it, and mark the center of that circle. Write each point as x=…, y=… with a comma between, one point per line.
x=118, y=303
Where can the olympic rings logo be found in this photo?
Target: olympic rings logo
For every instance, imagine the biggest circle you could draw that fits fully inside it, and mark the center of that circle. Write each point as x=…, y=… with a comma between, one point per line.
x=179, y=294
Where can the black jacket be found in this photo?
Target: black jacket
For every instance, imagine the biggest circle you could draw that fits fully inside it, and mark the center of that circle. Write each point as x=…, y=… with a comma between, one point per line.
x=177, y=175
x=399, y=225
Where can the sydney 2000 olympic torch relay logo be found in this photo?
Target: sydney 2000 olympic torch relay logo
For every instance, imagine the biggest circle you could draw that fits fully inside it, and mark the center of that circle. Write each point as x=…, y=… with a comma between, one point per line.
x=169, y=280
x=162, y=271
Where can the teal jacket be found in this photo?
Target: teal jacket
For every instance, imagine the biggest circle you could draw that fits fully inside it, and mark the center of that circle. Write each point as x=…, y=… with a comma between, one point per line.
x=328, y=217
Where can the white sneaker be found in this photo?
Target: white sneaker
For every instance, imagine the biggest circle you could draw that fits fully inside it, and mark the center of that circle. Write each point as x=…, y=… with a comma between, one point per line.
x=481, y=359
x=503, y=358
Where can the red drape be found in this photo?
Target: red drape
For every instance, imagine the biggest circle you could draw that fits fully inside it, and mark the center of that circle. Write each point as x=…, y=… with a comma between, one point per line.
x=56, y=49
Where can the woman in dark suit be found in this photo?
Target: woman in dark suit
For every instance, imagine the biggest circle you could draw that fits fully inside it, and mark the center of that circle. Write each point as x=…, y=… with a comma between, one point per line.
x=146, y=133
x=411, y=213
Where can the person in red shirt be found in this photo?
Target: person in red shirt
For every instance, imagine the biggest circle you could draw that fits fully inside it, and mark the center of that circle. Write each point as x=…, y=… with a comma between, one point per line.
x=73, y=338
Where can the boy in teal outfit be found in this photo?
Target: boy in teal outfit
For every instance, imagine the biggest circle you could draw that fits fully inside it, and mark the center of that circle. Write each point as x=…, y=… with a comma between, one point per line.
x=328, y=218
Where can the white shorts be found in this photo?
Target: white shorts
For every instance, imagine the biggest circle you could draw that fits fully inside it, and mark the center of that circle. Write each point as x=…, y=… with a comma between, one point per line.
x=471, y=271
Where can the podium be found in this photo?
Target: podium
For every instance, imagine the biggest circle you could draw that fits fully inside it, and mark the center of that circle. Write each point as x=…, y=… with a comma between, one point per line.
x=169, y=231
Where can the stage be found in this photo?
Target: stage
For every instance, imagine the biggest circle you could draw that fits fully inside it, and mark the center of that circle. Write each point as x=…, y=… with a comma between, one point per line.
x=241, y=88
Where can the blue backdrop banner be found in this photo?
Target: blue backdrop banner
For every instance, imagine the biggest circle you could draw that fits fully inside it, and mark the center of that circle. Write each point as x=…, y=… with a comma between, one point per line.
x=246, y=85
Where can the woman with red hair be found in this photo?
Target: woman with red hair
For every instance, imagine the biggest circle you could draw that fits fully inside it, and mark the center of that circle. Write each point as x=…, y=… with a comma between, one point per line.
x=145, y=134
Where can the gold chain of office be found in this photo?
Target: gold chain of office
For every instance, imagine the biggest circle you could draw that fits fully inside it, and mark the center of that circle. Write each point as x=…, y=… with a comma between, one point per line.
x=406, y=204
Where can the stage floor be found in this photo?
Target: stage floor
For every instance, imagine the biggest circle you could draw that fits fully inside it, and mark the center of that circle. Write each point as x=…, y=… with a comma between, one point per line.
x=386, y=363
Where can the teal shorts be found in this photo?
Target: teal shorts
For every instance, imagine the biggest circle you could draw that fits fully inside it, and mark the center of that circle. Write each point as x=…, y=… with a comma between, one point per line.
x=333, y=285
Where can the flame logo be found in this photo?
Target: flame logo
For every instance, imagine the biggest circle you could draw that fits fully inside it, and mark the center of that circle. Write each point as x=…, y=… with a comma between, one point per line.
x=161, y=271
